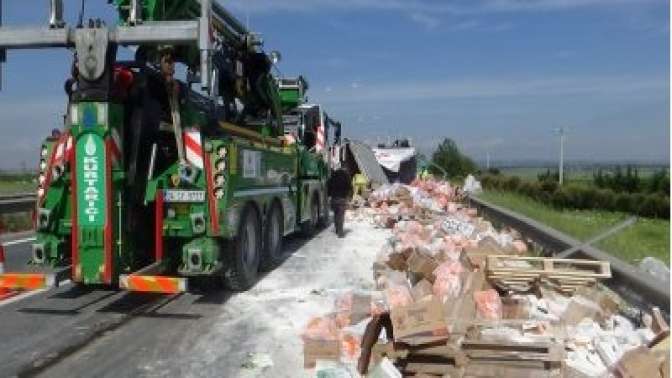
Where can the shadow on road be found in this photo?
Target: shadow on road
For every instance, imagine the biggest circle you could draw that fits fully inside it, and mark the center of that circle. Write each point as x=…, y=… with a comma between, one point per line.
x=150, y=304
x=71, y=293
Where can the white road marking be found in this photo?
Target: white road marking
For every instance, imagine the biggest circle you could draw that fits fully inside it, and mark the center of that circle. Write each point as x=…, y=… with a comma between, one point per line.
x=31, y=293
x=20, y=241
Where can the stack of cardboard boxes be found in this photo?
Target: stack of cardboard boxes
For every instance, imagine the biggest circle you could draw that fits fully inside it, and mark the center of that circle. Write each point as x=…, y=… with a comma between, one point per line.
x=447, y=307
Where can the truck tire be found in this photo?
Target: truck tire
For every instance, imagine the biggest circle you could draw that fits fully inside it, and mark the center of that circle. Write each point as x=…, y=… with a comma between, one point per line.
x=273, y=252
x=309, y=227
x=243, y=261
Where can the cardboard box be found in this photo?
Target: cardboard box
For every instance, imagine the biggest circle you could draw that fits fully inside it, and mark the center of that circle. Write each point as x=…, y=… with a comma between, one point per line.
x=665, y=366
x=361, y=307
x=604, y=301
x=659, y=326
x=314, y=350
x=580, y=308
x=397, y=261
x=420, y=323
x=515, y=308
x=461, y=311
x=421, y=290
x=639, y=362
x=424, y=265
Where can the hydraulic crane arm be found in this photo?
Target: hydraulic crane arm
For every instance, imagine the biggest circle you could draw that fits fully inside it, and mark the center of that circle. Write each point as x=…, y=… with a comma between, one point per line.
x=219, y=51
x=210, y=21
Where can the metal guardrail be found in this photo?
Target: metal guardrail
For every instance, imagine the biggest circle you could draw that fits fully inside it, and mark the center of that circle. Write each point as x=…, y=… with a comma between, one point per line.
x=17, y=203
x=635, y=285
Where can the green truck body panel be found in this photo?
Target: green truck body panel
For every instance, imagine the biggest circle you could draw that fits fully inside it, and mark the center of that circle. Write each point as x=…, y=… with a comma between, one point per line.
x=254, y=174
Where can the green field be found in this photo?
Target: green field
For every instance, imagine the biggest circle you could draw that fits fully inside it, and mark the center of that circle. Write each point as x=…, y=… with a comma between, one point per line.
x=15, y=187
x=16, y=184
x=572, y=174
x=648, y=237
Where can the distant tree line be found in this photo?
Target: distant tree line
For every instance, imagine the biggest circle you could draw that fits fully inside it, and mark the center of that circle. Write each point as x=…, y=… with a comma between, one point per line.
x=630, y=181
x=10, y=176
x=575, y=196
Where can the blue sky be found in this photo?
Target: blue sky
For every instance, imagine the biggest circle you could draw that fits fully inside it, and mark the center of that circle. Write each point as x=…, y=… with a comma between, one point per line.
x=497, y=76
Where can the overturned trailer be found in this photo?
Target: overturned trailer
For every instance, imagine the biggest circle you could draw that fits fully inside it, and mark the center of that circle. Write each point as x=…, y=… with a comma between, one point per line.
x=357, y=157
x=399, y=161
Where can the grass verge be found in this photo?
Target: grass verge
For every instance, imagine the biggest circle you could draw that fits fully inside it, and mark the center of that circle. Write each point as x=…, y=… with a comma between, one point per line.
x=647, y=237
x=16, y=186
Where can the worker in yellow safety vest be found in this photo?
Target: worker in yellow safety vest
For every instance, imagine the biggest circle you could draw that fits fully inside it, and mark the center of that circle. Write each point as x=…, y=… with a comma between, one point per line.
x=359, y=184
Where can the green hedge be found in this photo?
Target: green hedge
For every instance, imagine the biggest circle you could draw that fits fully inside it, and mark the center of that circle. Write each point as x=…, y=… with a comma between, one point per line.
x=653, y=205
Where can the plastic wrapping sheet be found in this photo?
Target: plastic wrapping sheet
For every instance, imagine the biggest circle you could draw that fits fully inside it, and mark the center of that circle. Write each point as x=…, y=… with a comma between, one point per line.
x=488, y=304
x=322, y=328
x=351, y=341
x=448, y=283
x=587, y=363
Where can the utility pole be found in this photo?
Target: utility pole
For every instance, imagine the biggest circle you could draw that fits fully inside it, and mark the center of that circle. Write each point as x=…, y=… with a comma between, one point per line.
x=561, y=170
x=487, y=160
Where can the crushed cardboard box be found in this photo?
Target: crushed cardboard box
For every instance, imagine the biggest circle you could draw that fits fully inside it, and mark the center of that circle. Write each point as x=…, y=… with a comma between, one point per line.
x=420, y=322
x=440, y=296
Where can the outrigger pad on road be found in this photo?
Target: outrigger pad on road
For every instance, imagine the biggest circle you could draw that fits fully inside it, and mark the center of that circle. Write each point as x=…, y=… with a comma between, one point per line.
x=153, y=284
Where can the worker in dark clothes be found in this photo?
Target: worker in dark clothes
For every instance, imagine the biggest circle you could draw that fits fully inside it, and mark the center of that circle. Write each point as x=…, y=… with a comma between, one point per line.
x=340, y=190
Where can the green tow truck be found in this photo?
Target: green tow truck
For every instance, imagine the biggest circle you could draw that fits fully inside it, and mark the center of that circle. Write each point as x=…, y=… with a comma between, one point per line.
x=154, y=181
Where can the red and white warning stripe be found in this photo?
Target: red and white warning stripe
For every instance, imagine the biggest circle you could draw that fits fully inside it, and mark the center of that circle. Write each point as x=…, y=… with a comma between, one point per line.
x=63, y=149
x=193, y=147
x=319, y=145
x=2, y=259
x=115, y=147
x=59, y=154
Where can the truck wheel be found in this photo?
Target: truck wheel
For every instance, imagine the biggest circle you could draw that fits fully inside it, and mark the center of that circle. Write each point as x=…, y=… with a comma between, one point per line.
x=308, y=228
x=273, y=253
x=243, y=260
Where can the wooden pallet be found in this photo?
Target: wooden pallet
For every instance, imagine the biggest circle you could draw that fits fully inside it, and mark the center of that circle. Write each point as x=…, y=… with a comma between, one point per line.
x=441, y=359
x=549, y=266
x=547, y=353
x=565, y=274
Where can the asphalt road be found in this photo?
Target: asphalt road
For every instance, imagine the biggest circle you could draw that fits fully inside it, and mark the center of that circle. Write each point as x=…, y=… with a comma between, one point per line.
x=39, y=327
x=106, y=333
x=17, y=255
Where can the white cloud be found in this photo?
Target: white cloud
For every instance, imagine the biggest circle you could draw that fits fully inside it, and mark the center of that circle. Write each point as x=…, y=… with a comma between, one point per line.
x=425, y=20
x=522, y=5
x=479, y=26
x=466, y=25
x=495, y=87
x=427, y=6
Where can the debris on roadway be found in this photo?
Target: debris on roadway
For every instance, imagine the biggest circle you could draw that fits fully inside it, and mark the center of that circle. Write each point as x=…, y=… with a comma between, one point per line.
x=455, y=297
